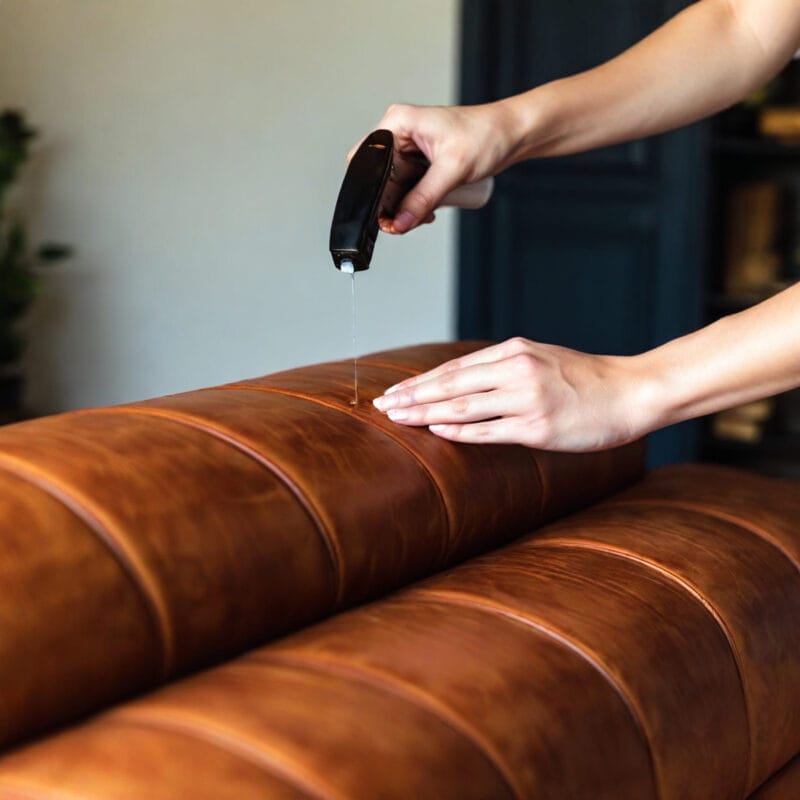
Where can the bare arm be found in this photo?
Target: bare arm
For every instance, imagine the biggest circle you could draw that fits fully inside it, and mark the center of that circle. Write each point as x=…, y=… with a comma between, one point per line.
x=704, y=59
x=558, y=399
x=701, y=61
x=739, y=358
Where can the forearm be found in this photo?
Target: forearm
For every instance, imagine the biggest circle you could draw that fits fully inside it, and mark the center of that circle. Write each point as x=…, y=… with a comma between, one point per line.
x=740, y=358
x=703, y=60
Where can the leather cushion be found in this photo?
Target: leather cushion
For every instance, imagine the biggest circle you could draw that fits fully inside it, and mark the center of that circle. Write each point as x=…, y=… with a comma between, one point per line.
x=144, y=541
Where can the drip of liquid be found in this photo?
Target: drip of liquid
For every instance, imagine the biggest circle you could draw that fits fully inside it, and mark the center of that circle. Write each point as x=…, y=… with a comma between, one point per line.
x=347, y=266
x=354, y=401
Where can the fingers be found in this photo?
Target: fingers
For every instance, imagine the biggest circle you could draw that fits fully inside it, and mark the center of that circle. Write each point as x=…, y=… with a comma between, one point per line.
x=487, y=355
x=496, y=431
x=420, y=129
x=423, y=199
x=468, y=408
x=479, y=357
x=397, y=118
x=451, y=385
x=430, y=131
x=387, y=225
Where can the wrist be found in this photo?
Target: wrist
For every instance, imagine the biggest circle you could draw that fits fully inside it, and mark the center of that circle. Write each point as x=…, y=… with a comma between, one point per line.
x=649, y=398
x=678, y=381
x=529, y=121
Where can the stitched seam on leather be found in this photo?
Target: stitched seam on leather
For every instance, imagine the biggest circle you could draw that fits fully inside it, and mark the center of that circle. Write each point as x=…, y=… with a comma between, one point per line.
x=329, y=541
x=565, y=543
x=776, y=776
x=385, y=681
x=397, y=439
x=270, y=759
x=479, y=344
x=114, y=542
x=732, y=519
x=388, y=365
x=455, y=597
x=744, y=524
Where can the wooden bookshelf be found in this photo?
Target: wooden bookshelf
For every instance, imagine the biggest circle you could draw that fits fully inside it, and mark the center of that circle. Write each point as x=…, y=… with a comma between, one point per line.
x=739, y=162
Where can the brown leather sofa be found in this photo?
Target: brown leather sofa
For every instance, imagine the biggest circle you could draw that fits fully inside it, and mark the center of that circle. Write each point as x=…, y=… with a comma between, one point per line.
x=259, y=591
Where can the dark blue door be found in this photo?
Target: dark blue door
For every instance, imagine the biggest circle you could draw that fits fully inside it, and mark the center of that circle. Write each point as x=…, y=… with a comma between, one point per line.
x=601, y=252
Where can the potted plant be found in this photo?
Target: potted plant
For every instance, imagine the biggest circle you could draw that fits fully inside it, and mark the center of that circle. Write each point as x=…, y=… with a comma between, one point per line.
x=19, y=263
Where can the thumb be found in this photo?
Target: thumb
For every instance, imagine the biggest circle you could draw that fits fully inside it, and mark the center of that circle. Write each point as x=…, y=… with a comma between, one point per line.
x=424, y=198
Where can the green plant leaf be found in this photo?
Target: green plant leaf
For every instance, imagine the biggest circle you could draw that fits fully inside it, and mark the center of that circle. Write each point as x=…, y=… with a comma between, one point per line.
x=50, y=252
x=15, y=138
x=19, y=279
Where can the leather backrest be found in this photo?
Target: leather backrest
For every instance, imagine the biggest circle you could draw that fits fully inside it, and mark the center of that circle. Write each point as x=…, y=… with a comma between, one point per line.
x=144, y=541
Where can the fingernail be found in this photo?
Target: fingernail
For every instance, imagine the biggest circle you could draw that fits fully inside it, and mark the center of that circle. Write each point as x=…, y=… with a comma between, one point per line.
x=397, y=414
x=392, y=389
x=403, y=221
x=436, y=428
x=381, y=403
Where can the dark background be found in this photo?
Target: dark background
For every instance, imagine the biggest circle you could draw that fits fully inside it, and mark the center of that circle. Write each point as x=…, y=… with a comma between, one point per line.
x=614, y=251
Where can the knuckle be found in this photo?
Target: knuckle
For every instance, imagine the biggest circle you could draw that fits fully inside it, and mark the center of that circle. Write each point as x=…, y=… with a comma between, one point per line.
x=408, y=397
x=419, y=416
x=447, y=381
x=397, y=112
x=392, y=110
x=454, y=365
x=524, y=366
x=420, y=199
x=483, y=432
x=514, y=346
x=460, y=406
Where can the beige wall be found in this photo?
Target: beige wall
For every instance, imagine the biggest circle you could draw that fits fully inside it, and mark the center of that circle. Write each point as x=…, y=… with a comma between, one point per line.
x=192, y=151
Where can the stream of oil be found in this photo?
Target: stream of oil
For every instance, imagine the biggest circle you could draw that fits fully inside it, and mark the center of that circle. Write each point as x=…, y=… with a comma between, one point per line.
x=354, y=401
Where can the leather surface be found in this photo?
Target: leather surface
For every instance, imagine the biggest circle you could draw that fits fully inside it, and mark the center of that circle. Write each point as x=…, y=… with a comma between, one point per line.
x=646, y=647
x=142, y=542
x=676, y=528
x=783, y=786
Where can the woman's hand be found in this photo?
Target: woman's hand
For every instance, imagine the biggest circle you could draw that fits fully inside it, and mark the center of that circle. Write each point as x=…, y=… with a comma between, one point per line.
x=521, y=392
x=734, y=45
x=462, y=143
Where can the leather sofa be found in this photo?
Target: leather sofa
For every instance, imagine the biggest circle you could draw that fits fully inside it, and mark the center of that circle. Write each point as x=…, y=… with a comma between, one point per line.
x=261, y=591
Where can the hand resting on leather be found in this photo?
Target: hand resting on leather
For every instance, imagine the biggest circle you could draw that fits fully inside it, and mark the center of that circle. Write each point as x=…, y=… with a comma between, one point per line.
x=558, y=399
x=520, y=391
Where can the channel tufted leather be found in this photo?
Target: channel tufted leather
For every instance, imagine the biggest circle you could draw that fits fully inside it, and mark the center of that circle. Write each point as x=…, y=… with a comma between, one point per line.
x=421, y=619
x=144, y=541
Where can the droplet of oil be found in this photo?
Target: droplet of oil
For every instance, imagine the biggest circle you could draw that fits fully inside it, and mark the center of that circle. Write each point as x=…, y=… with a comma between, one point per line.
x=354, y=401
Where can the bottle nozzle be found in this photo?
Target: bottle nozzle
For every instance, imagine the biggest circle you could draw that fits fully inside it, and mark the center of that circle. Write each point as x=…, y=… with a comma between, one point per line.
x=374, y=185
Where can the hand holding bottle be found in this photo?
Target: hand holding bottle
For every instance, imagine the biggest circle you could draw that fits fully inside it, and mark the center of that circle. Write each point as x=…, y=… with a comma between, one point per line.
x=463, y=144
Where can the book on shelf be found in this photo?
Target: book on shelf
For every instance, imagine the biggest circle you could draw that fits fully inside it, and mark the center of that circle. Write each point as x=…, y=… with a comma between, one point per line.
x=744, y=423
x=752, y=259
x=781, y=123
